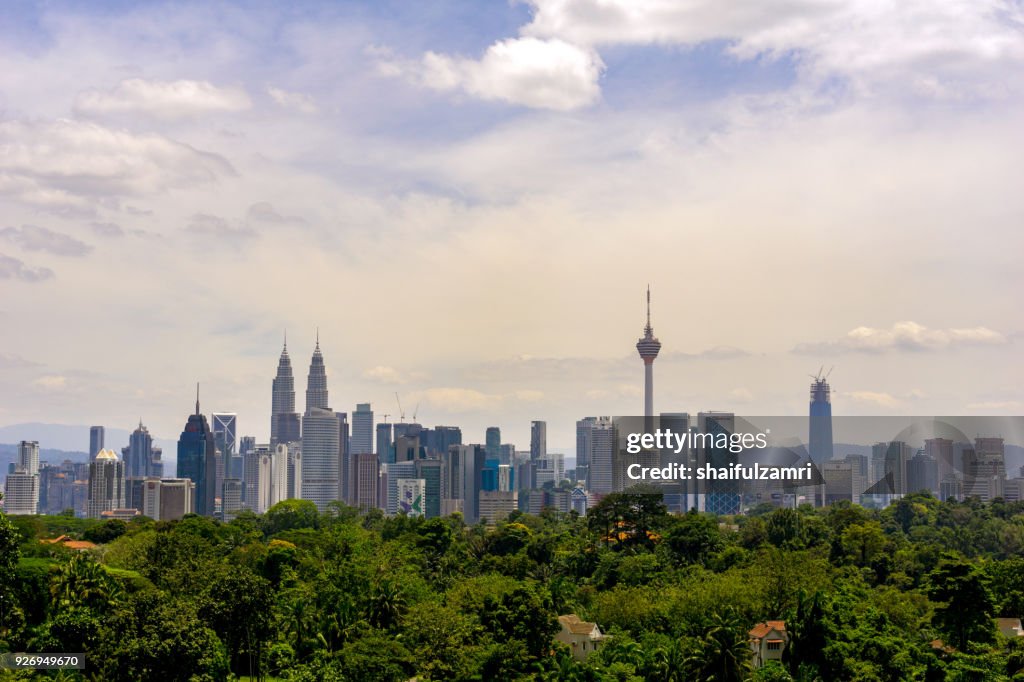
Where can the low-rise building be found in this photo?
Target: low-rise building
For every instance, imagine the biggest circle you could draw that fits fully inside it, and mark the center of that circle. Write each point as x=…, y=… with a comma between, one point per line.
x=581, y=637
x=767, y=641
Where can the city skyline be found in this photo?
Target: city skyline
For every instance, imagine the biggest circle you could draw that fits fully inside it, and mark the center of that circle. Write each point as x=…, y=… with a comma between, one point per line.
x=204, y=188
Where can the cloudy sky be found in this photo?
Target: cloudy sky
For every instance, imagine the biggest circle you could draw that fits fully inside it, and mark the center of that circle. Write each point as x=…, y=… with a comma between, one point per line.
x=469, y=199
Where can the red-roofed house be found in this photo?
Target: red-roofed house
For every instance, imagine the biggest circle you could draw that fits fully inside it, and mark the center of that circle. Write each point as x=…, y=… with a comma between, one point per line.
x=767, y=641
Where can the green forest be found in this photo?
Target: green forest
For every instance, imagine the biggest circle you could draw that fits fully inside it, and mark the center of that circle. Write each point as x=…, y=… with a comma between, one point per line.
x=910, y=592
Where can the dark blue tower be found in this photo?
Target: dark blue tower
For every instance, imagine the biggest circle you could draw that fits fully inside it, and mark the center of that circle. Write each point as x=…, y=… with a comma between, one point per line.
x=819, y=443
x=197, y=459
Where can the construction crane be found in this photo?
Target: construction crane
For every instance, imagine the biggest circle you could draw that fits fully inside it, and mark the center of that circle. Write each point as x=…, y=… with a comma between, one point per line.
x=415, y=412
x=401, y=412
x=822, y=375
x=386, y=418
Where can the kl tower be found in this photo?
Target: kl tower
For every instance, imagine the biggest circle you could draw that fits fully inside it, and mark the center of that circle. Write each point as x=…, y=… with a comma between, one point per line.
x=648, y=347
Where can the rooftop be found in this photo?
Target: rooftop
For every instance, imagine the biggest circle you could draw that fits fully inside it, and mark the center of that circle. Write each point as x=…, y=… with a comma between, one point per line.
x=762, y=629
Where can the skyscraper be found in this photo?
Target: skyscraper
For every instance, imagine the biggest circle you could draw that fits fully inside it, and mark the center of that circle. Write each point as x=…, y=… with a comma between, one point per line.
x=320, y=435
x=225, y=431
x=384, y=441
x=819, y=444
x=197, y=460
x=493, y=442
x=284, y=420
x=316, y=382
x=320, y=458
x=344, y=460
x=106, y=484
x=21, y=489
x=362, y=429
x=538, y=440
x=96, y=438
x=648, y=347
x=140, y=458
x=722, y=497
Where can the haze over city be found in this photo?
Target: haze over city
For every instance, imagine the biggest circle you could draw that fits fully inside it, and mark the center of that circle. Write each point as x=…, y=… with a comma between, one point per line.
x=469, y=205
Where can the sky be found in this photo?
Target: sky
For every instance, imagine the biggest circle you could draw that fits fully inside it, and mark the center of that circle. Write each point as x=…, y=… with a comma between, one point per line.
x=469, y=199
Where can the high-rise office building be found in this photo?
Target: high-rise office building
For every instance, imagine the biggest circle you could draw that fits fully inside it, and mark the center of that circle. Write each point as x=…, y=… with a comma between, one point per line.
x=365, y=480
x=362, y=429
x=284, y=420
x=538, y=440
x=21, y=489
x=344, y=460
x=941, y=450
x=251, y=472
x=320, y=458
x=984, y=469
x=320, y=449
x=294, y=468
x=431, y=471
x=922, y=474
x=408, y=430
x=648, y=347
x=96, y=441
x=468, y=462
x=438, y=439
x=272, y=486
x=250, y=467
x=225, y=437
x=231, y=499
x=28, y=457
x=106, y=484
x=496, y=505
x=492, y=442
x=893, y=457
x=394, y=473
x=197, y=460
x=840, y=481
x=597, y=443
x=721, y=497
x=141, y=458
x=384, y=440
x=819, y=444
x=507, y=454
x=168, y=499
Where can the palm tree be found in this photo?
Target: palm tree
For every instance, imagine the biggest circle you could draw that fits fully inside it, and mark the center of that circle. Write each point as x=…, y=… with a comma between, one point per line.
x=723, y=653
x=386, y=605
x=84, y=582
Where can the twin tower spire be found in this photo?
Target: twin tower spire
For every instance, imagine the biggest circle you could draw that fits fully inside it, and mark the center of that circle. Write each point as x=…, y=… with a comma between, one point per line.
x=284, y=421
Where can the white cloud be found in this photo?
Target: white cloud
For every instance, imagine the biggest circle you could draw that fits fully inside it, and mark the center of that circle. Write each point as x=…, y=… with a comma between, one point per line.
x=218, y=228
x=741, y=395
x=293, y=100
x=937, y=49
x=66, y=163
x=877, y=398
x=906, y=336
x=107, y=229
x=13, y=268
x=384, y=375
x=458, y=400
x=162, y=99
x=264, y=212
x=35, y=238
x=531, y=72
x=54, y=382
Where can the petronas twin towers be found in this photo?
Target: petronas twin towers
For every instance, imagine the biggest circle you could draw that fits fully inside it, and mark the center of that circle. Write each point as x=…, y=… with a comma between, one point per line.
x=284, y=420
x=318, y=429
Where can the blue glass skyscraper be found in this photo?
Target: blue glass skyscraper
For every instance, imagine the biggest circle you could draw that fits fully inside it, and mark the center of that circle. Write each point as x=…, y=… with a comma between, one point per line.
x=819, y=443
x=197, y=460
